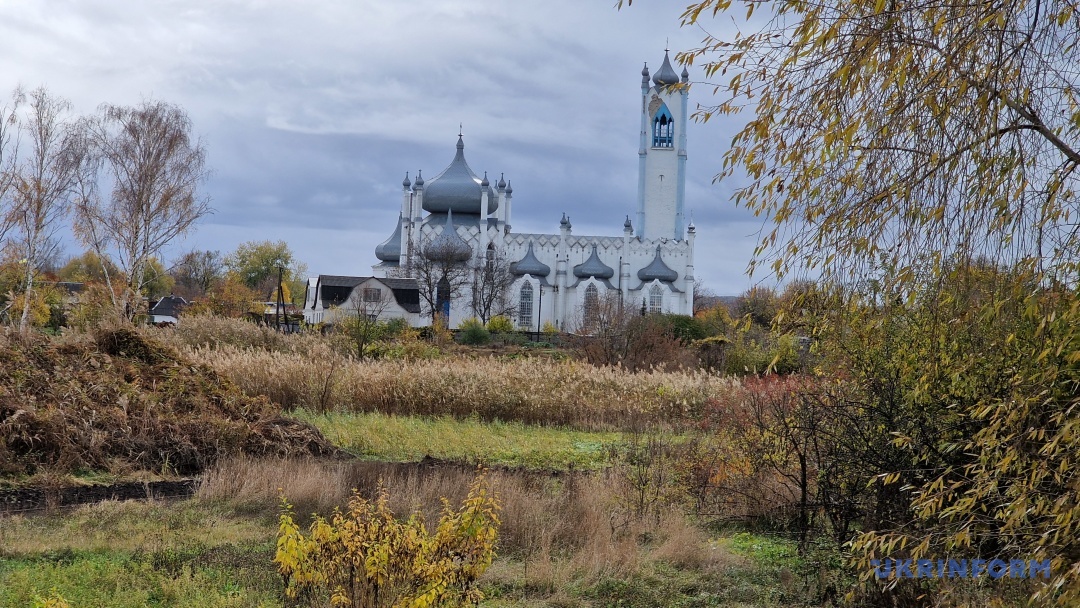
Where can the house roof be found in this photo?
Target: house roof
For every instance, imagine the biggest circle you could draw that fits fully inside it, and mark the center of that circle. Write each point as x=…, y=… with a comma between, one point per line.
x=169, y=306
x=336, y=289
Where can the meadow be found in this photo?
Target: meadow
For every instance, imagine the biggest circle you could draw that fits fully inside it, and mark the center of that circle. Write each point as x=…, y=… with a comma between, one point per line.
x=558, y=546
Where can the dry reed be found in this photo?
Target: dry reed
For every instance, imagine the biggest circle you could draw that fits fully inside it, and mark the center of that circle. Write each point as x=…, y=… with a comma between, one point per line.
x=531, y=390
x=308, y=371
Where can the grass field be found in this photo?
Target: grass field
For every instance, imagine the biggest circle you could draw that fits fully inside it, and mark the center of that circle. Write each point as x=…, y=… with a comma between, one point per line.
x=556, y=548
x=504, y=444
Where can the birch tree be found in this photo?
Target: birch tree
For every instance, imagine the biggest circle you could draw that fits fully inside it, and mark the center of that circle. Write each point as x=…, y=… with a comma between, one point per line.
x=155, y=167
x=43, y=182
x=9, y=148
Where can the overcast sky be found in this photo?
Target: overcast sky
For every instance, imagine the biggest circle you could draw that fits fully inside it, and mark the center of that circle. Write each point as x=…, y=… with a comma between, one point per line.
x=312, y=112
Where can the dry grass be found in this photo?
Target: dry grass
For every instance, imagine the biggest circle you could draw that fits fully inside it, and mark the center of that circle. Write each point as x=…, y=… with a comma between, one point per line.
x=308, y=371
x=554, y=529
x=146, y=527
x=530, y=390
x=119, y=401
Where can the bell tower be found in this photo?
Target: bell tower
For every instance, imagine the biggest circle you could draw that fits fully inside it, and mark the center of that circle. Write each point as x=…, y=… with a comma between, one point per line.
x=662, y=153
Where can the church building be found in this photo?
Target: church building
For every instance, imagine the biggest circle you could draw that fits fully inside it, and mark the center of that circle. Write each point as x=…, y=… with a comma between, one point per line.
x=553, y=278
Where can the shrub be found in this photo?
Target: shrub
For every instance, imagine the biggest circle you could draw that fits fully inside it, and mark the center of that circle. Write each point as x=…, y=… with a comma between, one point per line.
x=395, y=328
x=472, y=332
x=685, y=329
x=500, y=324
x=366, y=558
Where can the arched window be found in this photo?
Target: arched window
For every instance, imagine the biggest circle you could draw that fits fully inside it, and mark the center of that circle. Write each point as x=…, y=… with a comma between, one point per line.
x=490, y=256
x=525, y=306
x=592, y=306
x=663, y=135
x=656, y=299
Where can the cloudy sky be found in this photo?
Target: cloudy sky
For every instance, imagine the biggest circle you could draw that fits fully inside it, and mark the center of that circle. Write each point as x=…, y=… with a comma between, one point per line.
x=312, y=112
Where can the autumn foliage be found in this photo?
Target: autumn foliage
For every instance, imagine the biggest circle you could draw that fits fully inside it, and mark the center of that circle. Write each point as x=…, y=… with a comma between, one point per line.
x=366, y=558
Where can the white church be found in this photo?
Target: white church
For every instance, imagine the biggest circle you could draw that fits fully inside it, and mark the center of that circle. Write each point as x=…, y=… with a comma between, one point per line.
x=556, y=277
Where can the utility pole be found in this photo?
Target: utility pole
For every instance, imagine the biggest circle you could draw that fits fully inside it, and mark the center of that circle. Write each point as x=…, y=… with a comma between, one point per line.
x=279, y=303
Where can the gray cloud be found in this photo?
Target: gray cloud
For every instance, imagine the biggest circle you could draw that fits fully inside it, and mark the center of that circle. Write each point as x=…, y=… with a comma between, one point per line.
x=313, y=112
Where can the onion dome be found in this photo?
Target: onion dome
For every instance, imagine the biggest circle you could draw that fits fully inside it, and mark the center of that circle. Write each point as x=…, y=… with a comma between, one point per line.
x=657, y=270
x=593, y=267
x=685, y=75
x=405, y=183
x=530, y=265
x=457, y=189
x=509, y=188
x=448, y=246
x=484, y=183
x=564, y=222
x=627, y=225
x=666, y=75
x=502, y=182
x=691, y=228
x=645, y=75
x=390, y=249
x=419, y=179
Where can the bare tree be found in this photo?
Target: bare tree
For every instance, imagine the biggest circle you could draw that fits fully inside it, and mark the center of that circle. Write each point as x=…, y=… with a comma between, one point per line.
x=9, y=148
x=358, y=317
x=442, y=273
x=611, y=333
x=156, y=167
x=196, y=272
x=44, y=181
x=491, y=281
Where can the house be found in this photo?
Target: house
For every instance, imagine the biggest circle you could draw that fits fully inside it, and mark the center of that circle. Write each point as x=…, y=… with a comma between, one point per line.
x=327, y=297
x=167, y=309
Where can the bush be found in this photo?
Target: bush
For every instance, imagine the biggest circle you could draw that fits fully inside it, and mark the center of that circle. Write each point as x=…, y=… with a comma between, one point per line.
x=512, y=338
x=472, y=332
x=685, y=329
x=395, y=328
x=500, y=324
x=367, y=558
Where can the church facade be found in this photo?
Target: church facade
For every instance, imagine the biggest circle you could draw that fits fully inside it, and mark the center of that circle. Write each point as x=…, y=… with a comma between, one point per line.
x=555, y=278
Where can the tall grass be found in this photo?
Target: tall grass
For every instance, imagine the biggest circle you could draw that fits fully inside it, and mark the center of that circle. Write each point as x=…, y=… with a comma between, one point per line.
x=307, y=371
x=554, y=529
x=529, y=390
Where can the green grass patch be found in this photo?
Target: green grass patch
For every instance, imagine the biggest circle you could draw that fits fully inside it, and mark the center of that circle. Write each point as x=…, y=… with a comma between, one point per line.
x=513, y=444
x=137, y=554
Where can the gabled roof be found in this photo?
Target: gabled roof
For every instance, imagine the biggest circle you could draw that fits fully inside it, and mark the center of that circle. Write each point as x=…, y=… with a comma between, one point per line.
x=169, y=306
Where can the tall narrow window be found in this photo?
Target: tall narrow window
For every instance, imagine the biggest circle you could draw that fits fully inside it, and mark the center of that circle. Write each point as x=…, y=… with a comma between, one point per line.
x=656, y=299
x=490, y=256
x=442, y=298
x=525, y=306
x=592, y=306
x=663, y=129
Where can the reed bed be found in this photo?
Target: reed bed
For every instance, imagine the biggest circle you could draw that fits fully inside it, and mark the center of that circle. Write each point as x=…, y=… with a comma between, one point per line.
x=529, y=390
